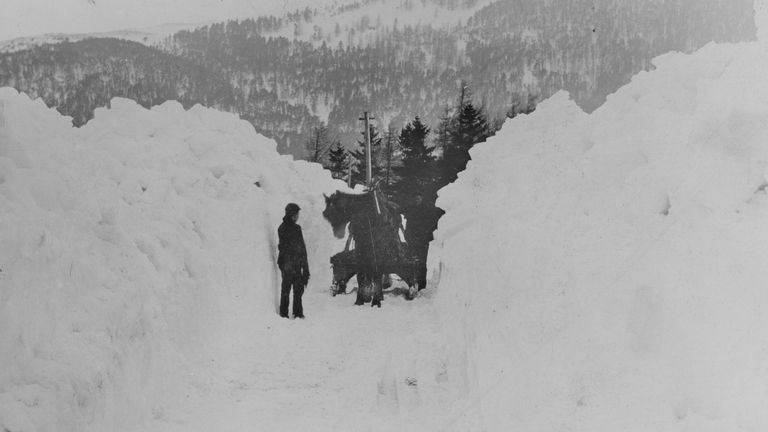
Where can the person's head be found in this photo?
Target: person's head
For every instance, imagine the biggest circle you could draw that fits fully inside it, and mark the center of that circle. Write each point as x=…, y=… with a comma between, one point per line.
x=292, y=211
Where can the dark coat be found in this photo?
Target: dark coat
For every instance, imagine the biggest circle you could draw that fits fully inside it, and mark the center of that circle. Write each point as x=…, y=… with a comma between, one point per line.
x=292, y=252
x=422, y=222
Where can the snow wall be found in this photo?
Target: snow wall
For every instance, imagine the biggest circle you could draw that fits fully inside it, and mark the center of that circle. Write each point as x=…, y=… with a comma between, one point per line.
x=131, y=247
x=609, y=272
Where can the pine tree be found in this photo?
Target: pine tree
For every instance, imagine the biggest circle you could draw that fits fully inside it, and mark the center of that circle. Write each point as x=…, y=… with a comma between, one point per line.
x=338, y=161
x=470, y=127
x=417, y=170
x=416, y=195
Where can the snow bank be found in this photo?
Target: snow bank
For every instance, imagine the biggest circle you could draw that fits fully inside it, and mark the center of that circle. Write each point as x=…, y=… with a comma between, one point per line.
x=130, y=248
x=608, y=272
x=761, y=19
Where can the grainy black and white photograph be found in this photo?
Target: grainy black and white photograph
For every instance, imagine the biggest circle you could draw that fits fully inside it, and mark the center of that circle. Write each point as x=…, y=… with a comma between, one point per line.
x=383, y=215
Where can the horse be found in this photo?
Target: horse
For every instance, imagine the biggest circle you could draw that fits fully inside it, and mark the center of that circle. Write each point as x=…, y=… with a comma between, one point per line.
x=374, y=222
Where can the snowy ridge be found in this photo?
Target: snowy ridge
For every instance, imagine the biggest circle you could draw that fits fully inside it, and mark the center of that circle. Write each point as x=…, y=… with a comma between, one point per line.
x=357, y=25
x=139, y=22
x=621, y=257
x=366, y=24
x=761, y=19
x=129, y=247
x=148, y=36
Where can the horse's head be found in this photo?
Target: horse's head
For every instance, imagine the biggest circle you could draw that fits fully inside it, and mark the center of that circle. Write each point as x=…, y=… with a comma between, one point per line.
x=337, y=213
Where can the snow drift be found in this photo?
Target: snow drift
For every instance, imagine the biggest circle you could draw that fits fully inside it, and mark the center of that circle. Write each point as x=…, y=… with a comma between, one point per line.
x=608, y=272
x=127, y=247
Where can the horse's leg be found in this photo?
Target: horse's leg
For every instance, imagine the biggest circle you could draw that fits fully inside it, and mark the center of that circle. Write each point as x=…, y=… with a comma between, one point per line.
x=378, y=294
x=360, y=300
x=363, y=288
x=370, y=292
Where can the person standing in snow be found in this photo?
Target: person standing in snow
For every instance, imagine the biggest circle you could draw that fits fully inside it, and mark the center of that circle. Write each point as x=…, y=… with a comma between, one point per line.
x=422, y=219
x=292, y=261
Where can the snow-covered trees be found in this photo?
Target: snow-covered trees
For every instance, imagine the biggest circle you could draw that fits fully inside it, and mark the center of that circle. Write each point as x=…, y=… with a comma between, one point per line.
x=317, y=145
x=273, y=82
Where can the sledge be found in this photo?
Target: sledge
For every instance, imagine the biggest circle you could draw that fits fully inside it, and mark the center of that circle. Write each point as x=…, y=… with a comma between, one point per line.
x=404, y=263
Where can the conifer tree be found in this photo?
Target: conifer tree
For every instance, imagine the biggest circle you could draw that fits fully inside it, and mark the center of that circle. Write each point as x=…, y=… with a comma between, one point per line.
x=338, y=161
x=417, y=170
x=469, y=128
x=416, y=195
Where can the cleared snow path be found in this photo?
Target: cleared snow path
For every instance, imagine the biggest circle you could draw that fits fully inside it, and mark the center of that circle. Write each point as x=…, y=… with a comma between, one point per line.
x=343, y=368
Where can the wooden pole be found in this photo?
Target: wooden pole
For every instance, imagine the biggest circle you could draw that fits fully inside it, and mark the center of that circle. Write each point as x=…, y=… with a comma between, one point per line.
x=368, y=160
x=389, y=153
x=349, y=170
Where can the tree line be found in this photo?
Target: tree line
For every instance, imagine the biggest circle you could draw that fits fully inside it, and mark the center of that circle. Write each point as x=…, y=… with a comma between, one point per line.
x=412, y=163
x=288, y=88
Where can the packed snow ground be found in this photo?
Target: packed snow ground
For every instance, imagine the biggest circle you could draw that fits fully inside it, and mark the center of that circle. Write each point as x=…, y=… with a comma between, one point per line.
x=344, y=368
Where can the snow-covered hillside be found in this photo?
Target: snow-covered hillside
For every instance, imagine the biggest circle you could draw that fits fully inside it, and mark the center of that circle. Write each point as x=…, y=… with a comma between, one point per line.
x=136, y=21
x=148, y=36
x=333, y=21
x=130, y=247
x=608, y=272
x=363, y=25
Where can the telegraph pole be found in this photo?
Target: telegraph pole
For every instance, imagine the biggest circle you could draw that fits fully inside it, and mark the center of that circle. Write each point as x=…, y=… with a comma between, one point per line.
x=390, y=136
x=368, y=175
x=349, y=169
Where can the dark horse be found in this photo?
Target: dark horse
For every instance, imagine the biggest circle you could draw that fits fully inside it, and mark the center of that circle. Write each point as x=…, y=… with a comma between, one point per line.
x=373, y=222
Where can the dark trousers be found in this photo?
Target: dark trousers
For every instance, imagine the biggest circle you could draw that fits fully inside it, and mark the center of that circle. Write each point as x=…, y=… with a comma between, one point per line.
x=421, y=250
x=291, y=280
